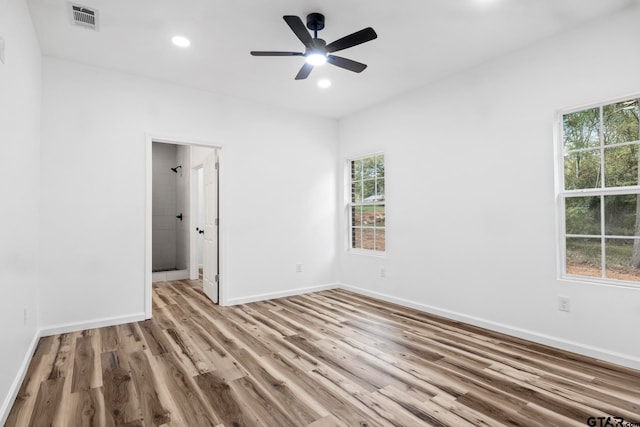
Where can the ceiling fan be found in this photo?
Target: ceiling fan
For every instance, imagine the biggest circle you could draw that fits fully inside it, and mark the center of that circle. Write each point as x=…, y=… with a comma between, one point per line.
x=317, y=51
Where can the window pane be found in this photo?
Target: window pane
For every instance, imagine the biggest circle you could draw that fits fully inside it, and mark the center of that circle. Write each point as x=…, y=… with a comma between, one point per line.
x=621, y=166
x=368, y=215
x=582, y=170
x=380, y=166
x=581, y=129
x=369, y=190
x=368, y=238
x=582, y=215
x=380, y=216
x=356, y=215
x=621, y=122
x=623, y=259
x=380, y=189
x=356, y=192
x=584, y=257
x=380, y=239
x=369, y=167
x=621, y=215
x=356, y=238
x=356, y=170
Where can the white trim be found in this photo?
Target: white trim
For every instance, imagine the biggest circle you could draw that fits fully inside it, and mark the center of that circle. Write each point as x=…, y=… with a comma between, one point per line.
x=148, y=232
x=223, y=278
x=167, y=276
x=599, y=281
x=281, y=294
x=596, y=104
x=367, y=252
x=64, y=328
x=10, y=398
x=559, y=343
x=609, y=191
x=606, y=236
x=597, y=147
x=558, y=175
x=364, y=156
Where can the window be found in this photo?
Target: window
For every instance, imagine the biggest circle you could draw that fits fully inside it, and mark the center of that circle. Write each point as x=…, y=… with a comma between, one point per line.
x=599, y=192
x=367, y=206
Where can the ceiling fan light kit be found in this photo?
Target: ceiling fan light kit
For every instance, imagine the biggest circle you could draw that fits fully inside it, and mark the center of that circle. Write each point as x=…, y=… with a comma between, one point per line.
x=317, y=51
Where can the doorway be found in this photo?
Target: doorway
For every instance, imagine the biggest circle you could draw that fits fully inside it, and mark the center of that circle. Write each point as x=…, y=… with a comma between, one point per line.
x=170, y=225
x=182, y=215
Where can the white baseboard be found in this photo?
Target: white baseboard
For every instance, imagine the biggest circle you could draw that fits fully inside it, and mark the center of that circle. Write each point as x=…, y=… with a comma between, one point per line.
x=273, y=295
x=586, y=350
x=167, y=276
x=17, y=382
x=97, y=323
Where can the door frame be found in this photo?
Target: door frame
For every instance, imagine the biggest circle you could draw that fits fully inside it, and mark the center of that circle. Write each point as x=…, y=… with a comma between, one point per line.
x=148, y=231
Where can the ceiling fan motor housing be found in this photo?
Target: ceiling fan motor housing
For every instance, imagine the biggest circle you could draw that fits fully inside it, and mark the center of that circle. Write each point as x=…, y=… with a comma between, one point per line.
x=315, y=21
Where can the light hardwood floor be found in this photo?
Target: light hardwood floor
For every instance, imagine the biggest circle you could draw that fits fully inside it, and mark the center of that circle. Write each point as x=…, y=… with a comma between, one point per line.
x=331, y=358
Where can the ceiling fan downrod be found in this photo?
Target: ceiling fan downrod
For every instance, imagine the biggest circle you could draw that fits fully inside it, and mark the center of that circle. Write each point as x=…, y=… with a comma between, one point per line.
x=315, y=22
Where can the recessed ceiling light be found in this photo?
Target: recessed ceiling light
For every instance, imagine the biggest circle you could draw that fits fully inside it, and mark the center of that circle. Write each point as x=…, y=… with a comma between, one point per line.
x=324, y=83
x=181, y=41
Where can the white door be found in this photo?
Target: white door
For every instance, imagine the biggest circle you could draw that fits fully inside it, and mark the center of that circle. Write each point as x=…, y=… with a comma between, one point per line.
x=210, y=244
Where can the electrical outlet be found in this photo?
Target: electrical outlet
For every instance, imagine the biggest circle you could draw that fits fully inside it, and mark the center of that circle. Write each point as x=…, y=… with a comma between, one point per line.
x=298, y=268
x=564, y=304
x=383, y=272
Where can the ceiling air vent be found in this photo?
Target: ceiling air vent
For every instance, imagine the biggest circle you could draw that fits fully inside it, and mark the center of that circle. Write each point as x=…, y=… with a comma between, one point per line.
x=84, y=17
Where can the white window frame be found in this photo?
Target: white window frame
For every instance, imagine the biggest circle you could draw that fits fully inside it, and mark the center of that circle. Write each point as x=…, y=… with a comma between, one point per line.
x=602, y=191
x=350, y=204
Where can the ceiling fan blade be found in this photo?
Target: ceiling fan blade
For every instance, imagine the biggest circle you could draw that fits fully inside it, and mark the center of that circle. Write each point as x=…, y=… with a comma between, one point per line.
x=300, y=30
x=351, y=40
x=272, y=53
x=347, y=64
x=304, y=71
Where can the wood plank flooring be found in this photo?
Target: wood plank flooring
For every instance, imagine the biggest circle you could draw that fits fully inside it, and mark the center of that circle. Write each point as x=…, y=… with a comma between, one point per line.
x=326, y=359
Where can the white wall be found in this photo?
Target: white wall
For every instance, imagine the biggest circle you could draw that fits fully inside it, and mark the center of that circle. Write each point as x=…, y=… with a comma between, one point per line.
x=278, y=189
x=20, y=95
x=471, y=228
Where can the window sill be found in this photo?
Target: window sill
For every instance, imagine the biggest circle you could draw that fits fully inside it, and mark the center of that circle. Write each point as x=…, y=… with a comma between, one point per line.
x=599, y=281
x=365, y=252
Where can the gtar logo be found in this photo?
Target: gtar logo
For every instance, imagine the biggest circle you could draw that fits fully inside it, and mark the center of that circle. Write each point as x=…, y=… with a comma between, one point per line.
x=605, y=422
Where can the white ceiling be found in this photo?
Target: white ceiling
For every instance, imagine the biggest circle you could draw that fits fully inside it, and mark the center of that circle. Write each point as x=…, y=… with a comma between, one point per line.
x=419, y=41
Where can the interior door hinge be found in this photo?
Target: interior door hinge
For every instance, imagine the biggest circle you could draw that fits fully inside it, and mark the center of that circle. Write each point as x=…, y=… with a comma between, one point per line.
x=217, y=165
x=217, y=278
x=217, y=221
